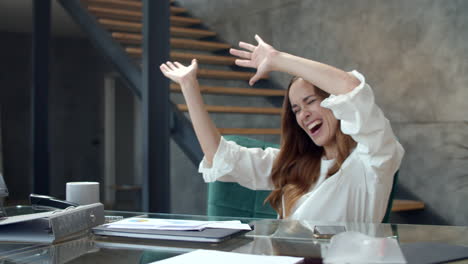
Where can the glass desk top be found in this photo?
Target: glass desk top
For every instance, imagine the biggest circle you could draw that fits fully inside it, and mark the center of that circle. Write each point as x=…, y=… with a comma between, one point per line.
x=270, y=237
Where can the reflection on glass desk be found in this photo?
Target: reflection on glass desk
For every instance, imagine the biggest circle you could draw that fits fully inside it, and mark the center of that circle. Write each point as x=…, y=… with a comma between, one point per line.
x=270, y=237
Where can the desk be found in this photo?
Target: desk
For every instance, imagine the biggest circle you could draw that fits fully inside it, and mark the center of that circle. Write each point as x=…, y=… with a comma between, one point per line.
x=270, y=237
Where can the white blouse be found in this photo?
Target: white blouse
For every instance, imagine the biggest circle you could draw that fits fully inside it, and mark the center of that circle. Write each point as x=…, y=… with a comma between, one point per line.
x=358, y=192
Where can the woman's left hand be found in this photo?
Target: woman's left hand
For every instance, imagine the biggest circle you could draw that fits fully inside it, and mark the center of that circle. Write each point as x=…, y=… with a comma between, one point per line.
x=258, y=57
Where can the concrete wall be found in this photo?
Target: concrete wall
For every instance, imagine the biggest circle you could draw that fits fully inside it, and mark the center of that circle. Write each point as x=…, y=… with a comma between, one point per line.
x=413, y=53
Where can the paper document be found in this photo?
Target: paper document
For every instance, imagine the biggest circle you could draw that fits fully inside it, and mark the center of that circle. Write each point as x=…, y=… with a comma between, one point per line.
x=216, y=257
x=174, y=224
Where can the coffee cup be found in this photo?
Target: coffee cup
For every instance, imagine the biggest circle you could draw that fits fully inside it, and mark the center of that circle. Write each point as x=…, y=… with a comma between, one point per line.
x=82, y=192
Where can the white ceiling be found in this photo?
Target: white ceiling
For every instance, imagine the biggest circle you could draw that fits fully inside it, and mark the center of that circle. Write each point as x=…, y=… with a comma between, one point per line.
x=16, y=16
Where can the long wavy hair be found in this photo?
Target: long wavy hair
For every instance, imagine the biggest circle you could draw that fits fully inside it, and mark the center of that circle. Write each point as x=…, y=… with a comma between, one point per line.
x=297, y=165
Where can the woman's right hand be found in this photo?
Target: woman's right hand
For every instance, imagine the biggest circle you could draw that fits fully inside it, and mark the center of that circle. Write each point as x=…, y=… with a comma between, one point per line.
x=183, y=75
x=258, y=57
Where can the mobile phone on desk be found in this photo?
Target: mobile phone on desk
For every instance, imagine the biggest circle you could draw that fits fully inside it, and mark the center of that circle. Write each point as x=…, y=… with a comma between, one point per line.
x=326, y=232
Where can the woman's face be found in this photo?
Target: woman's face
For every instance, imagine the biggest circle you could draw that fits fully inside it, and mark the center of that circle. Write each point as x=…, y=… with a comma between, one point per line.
x=318, y=122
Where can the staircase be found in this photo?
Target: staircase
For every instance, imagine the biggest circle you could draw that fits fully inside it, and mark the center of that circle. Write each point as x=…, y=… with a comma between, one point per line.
x=122, y=18
x=115, y=28
x=218, y=75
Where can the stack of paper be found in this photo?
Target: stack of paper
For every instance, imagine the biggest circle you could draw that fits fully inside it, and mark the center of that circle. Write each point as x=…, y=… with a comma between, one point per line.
x=173, y=224
x=216, y=257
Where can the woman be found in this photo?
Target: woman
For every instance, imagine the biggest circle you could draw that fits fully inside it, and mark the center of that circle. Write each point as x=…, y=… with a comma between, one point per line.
x=338, y=152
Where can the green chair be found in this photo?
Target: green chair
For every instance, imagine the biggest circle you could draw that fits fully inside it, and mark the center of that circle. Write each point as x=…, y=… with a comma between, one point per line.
x=386, y=218
x=231, y=199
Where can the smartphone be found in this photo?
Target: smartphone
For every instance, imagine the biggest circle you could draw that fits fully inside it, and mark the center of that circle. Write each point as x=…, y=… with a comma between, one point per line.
x=326, y=232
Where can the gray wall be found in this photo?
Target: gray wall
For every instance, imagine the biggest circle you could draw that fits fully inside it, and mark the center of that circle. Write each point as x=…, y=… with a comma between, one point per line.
x=75, y=114
x=414, y=55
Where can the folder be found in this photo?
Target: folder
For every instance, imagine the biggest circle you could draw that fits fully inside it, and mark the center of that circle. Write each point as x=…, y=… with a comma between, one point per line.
x=209, y=235
x=49, y=227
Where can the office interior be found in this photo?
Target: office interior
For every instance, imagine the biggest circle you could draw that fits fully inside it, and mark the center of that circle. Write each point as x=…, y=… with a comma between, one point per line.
x=413, y=53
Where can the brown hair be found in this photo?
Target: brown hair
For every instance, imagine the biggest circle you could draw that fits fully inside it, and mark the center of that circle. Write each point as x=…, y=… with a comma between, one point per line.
x=297, y=166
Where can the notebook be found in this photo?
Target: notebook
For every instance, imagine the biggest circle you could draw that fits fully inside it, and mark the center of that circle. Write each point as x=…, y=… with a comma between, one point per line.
x=209, y=235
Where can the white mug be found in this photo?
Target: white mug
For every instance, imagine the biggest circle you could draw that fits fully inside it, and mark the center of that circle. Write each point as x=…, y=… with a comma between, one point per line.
x=82, y=192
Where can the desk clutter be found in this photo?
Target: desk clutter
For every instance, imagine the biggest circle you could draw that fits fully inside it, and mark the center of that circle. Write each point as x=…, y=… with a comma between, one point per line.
x=175, y=224
x=173, y=229
x=51, y=236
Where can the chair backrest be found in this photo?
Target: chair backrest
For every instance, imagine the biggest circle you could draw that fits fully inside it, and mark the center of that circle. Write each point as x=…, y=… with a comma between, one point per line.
x=386, y=218
x=231, y=199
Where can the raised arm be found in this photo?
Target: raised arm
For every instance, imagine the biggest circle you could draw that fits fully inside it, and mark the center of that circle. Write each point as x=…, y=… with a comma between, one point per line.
x=205, y=129
x=265, y=59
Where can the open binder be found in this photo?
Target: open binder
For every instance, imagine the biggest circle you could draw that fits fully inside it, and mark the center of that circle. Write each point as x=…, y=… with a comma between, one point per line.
x=49, y=227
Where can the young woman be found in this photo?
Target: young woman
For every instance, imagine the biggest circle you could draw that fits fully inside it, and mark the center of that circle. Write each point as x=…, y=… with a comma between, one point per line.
x=338, y=152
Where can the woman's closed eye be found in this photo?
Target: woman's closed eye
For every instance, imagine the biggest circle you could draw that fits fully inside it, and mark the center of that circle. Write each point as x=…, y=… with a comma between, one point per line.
x=297, y=109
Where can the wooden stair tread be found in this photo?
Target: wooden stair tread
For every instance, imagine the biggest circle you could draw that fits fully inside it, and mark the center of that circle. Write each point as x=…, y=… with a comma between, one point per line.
x=224, y=75
x=198, y=44
x=133, y=5
x=191, y=33
x=175, y=10
x=180, y=43
x=132, y=12
x=233, y=90
x=137, y=27
x=138, y=15
x=406, y=205
x=249, y=131
x=185, y=56
x=237, y=109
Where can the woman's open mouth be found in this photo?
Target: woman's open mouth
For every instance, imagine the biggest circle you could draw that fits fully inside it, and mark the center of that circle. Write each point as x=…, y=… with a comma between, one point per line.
x=314, y=127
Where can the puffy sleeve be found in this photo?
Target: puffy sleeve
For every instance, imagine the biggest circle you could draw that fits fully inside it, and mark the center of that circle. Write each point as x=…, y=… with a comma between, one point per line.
x=362, y=119
x=250, y=167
